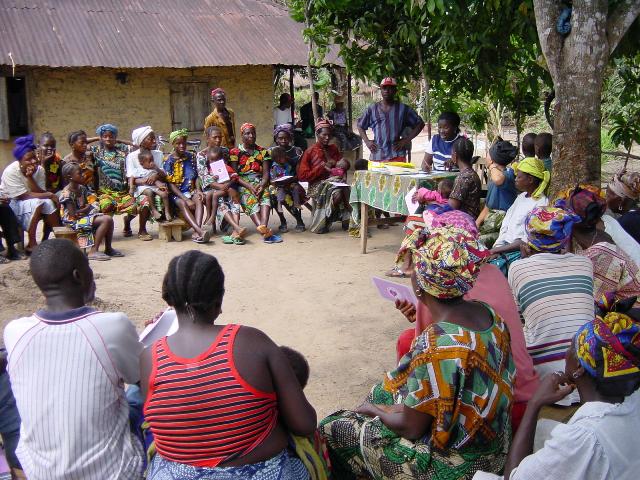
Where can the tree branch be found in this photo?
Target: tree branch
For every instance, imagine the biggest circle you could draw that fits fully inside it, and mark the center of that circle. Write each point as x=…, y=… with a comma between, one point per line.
x=547, y=12
x=620, y=21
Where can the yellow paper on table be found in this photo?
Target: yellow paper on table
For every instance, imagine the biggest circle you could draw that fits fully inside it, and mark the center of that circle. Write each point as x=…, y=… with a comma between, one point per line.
x=373, y=165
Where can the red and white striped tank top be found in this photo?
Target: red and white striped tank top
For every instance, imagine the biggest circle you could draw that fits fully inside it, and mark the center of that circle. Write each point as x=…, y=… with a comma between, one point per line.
x=200, y=410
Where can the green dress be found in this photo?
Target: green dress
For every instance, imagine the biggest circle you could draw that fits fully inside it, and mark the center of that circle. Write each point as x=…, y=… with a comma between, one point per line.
x=460, y=377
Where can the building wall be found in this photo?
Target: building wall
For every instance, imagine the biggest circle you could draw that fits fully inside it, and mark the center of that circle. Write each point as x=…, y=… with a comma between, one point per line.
x=64, y=100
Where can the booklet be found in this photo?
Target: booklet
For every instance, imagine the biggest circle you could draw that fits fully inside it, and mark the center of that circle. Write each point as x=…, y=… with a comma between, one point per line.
x=282, y=179
x=219, y=169
x=411, y=205
x=166, y=325
x=394, y=291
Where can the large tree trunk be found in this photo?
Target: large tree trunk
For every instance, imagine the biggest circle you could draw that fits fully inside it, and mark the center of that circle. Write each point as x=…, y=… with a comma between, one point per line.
x=577, y=63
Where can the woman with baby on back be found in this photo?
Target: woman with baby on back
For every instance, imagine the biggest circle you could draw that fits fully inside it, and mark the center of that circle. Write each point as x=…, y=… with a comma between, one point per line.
x=219, y=398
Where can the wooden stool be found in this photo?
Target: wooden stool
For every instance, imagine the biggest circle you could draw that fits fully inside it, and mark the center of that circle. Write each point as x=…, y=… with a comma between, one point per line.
x=66, y=232
x=171, y=230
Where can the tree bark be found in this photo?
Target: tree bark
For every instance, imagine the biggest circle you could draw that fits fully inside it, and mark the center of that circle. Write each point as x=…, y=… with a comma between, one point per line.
x=577, y=63
x=314, y=103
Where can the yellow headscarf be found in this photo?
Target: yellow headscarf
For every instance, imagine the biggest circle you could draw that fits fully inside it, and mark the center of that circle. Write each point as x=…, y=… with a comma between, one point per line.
x=173, y=136
x=534, y=167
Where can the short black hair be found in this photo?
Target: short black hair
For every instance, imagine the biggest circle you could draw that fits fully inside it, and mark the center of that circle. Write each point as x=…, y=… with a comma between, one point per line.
x=528, y=145
x=212, y=129
x=284, y=96
x=214, y=151
x=452, y=117
x=543, y=145
x=53, y=261
x=464, y=150
x=73, y=136
x=298, y=363
x=47, y=135
x=361, y=164
x=277, y=152
x=446, y=183
x=193, y=279
x=68, y=168
x=143, y=152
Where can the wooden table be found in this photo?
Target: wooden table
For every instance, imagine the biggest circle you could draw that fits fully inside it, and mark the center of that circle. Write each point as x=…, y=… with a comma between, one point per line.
x=385, y=192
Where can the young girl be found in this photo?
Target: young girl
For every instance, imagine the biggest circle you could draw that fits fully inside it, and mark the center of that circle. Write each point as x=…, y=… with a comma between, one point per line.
x=185, y=192
x=281, y=168
x=149, y=167
x=439, y=151
x=84, y=216
x=50, y=161
x=213, y=189
x=80, y=156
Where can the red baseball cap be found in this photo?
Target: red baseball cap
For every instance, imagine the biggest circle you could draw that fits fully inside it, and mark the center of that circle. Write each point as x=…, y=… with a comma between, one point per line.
x=388, y=82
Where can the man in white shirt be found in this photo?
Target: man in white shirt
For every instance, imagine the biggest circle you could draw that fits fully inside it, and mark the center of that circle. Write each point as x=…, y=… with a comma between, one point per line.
x=282, y=113
x=68, y=364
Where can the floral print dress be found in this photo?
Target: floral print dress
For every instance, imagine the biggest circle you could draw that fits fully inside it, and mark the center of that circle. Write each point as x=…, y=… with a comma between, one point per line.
x=249, y=168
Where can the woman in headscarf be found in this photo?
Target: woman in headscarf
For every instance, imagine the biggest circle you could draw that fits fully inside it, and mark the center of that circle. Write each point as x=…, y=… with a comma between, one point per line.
x=553, y=289
x=599, y=442
x=424, y=420
x=330, y=202
x=222, y=117
x=531, y=180
x=613, y=269
x=184, y=190
x=145, y=138
x=109, y=157
x=501, y=190
x=23, y=183
x=622, y=193
x=251, y=162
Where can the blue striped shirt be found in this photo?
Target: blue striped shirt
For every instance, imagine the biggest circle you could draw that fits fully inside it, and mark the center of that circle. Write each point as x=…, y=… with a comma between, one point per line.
x=387, y=127
x=441, y=151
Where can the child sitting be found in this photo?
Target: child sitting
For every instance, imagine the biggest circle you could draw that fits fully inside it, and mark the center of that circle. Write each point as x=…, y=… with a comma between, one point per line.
x=149, y=168
x=84, y=217
x=543, y=146
x=340, y=170
x=435, y=201
x=287, y=187
x=213, y=189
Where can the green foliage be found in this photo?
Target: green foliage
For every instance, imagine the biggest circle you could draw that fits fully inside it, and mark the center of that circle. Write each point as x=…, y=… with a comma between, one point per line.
x=606, y=145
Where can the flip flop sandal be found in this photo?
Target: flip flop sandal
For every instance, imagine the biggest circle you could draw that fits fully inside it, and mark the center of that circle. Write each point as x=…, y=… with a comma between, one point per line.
x=99, y=257
x=127, y=233
x=198, y=239
x=228, y=240
x=238, y=241
x=283, y=228
x=273, y=239
x=145, y=237
x=114, y=253
x=300, y=228
x=396, y=273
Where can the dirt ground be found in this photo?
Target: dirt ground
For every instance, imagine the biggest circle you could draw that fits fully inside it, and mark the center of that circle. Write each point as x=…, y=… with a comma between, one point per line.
x=311, y=292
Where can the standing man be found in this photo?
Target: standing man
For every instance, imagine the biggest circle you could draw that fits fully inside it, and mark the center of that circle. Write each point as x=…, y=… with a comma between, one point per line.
x=222, y=117
x=388, y=119
x=282, y=113
x=306, y=116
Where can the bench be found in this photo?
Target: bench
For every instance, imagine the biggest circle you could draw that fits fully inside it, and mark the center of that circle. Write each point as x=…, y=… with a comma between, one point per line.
x=65, y=232
x=171, y=230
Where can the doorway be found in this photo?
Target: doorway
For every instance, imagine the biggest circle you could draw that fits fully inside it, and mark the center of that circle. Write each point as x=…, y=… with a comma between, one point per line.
x=18, y=117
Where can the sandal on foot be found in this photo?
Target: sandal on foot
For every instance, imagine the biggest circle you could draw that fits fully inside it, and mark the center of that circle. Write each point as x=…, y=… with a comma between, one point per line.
x=145, y=237
x=396, y=273
x=227, y=240
x=283, y=228
x=99, y=256
x=301, y=228
x=273, y=238
x=127, y=233
x=114, y=253
x=238, y=241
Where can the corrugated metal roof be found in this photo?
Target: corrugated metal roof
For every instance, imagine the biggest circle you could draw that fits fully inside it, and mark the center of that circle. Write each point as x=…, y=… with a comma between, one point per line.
x=149, y=33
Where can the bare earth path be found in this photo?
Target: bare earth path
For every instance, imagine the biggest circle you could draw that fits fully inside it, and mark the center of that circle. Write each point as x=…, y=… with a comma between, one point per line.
x=312, y=292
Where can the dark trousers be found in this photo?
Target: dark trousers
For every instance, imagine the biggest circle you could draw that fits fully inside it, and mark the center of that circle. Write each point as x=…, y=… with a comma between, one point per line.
x=9, y=225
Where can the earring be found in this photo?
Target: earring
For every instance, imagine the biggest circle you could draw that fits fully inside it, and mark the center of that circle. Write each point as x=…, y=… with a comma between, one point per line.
x=575, y=375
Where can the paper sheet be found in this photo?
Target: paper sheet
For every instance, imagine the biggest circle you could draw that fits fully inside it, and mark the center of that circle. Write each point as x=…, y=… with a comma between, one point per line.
x=282, y=179
x=167, y=324
x=219, y=169
x=339, y=184
x=408, y=199
x=394, y=291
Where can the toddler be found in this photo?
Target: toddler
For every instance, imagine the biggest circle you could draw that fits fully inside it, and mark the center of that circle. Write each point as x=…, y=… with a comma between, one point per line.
x=145, y=157
x=435, y=201
x=280, y=168
x=214, y=190
x=340, y=170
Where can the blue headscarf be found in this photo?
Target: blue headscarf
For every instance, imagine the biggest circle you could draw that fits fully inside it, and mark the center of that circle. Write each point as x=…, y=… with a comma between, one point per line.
x=23, y=146
x=107, y=127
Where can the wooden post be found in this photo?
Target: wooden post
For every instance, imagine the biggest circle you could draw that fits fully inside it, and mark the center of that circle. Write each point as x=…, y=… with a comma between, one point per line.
x=364, y=226
x=291, y=92
x=349, y=102
x=314, y=103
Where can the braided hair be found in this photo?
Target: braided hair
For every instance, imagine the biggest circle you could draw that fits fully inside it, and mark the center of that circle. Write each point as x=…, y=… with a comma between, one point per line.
x=194, y=280
x=73, y=136
x=463, y=148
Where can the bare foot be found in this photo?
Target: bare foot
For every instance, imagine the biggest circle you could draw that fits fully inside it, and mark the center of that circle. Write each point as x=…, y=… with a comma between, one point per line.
x=155, y=214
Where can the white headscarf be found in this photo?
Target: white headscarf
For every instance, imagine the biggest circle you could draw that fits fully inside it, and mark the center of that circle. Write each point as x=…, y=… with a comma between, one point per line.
x=139, y=134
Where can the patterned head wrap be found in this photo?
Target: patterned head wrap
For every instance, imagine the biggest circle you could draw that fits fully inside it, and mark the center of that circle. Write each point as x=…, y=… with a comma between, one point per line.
x=107, y=127
x=549, y=228
x=626, y=185
x=247, y=126
x=608, y=347
x=23, y=145
x=534, y=167
x=322, y=123
x=285, y=127
x=215, y=91
x=588, y=203
x=176, y=134
x=139, y=134
x=446, y=260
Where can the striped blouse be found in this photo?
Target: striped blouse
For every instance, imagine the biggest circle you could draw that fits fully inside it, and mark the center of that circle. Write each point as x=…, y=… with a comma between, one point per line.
x=200, y=410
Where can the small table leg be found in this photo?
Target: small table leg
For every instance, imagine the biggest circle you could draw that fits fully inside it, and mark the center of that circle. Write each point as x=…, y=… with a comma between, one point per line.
x=364, y=226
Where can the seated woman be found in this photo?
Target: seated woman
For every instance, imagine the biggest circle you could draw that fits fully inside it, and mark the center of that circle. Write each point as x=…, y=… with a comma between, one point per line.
x=109, y=158
x=613, y=269
x=598, y=443
x=184, y=191
x=220, y=399
x=10, y=233
x=623, y=192
x=437, y=155
x=424, y=421
x=331, y=202
x=501, y=190
x=145, y=138
x=532, y=180
x=23, y=183
x=251, y=162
